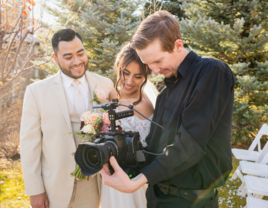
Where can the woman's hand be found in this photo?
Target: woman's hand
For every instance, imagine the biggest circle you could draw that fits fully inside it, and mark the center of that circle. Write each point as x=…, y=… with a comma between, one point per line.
x=120, y=180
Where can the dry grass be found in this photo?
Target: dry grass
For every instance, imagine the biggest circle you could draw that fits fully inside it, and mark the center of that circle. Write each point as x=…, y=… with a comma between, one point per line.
x=10, y=147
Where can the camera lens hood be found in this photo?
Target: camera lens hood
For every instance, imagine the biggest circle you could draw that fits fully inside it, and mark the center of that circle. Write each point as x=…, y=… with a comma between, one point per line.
x=91, y=157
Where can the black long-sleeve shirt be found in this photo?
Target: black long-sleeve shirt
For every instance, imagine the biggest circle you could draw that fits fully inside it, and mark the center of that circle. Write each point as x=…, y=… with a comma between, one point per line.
x=195, y=109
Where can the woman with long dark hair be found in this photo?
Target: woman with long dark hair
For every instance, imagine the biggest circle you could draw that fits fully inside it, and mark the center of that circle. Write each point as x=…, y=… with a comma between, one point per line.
x=132, y=87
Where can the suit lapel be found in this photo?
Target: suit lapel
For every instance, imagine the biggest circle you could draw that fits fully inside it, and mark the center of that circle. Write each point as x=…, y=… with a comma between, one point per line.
x=60, y=96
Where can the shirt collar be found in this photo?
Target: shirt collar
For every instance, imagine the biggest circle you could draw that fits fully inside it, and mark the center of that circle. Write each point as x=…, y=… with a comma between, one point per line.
x=185, y=65
x=183, y=68
x=67, y=81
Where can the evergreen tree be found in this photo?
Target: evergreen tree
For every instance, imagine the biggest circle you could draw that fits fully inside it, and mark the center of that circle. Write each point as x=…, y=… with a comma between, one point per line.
x=235, y=31
x=173, y=6
x=105, y=26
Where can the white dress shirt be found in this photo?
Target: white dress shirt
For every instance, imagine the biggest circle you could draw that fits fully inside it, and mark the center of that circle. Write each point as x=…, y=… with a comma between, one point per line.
x=70, y=89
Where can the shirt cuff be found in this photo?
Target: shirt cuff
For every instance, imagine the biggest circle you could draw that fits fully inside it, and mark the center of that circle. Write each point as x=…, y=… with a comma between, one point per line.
x=154, y=172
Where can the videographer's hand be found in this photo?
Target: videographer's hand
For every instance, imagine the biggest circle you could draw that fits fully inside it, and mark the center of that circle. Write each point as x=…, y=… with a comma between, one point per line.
x=39, y=201
x=120, y=180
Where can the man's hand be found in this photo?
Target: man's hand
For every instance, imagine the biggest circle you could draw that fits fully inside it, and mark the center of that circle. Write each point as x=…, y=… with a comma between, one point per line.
x=39, y=201
x=120, y=180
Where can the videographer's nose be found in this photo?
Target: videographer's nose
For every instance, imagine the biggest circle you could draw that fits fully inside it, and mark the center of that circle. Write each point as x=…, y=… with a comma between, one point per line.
x=155, y=70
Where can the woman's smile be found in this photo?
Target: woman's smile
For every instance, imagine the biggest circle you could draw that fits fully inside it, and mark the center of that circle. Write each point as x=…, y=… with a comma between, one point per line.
x=127, y=87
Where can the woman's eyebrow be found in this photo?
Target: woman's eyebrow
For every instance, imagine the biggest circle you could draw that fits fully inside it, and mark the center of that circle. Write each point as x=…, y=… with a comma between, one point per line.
x=135, y=74
x=126, y=70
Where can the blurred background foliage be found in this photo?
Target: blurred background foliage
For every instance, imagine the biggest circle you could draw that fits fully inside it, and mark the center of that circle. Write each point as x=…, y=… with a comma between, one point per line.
x=234, y=31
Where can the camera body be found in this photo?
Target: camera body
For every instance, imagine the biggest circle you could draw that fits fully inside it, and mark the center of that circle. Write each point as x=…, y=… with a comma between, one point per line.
x=125, y=146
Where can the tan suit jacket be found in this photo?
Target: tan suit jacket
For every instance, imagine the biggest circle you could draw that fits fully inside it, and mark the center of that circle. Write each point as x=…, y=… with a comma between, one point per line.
x=45, y=143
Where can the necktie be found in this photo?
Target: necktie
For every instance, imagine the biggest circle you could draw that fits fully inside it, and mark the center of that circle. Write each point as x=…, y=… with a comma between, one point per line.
x=79, y=104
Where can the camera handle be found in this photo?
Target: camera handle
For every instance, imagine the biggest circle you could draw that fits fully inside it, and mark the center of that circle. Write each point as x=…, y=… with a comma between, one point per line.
x=113, y=116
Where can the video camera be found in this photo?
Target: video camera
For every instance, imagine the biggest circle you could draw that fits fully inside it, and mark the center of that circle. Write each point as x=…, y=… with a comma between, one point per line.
x=125, y=146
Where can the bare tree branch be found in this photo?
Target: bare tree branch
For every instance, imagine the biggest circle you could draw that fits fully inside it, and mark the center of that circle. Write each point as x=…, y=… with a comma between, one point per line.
x=22, y=70
x=16, y=55
x=12, y=31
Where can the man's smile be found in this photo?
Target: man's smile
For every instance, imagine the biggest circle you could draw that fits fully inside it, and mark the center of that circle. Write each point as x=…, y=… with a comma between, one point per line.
x=78, y=68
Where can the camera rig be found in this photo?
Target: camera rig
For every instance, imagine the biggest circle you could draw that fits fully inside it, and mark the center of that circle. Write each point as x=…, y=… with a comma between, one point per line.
x=125, y=146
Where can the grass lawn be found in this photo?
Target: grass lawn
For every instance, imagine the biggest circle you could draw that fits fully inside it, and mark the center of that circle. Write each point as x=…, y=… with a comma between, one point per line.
x=227, y=193
x=12, y=193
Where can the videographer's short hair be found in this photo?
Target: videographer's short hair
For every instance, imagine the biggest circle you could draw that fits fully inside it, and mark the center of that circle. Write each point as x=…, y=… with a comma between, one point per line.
x=160, y=25
x=63, y=35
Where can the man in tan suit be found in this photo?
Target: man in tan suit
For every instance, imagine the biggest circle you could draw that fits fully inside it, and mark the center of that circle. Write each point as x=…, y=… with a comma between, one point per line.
x=51, y=110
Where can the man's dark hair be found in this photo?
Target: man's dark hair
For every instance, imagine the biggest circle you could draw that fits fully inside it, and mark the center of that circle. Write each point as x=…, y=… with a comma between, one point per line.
x=63, y=35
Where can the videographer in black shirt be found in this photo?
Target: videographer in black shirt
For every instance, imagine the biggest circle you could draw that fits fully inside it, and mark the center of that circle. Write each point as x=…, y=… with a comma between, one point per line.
x=195, y=109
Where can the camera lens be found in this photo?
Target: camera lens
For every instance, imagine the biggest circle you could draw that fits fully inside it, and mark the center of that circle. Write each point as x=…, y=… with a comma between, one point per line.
x=92, y=157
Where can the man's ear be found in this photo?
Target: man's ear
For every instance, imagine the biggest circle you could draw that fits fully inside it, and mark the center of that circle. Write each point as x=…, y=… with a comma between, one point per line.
x=178, y=45
x=55, y=58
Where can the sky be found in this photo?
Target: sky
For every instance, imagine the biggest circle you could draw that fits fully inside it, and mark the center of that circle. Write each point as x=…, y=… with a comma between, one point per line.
x=38, y=13
x=46, y=17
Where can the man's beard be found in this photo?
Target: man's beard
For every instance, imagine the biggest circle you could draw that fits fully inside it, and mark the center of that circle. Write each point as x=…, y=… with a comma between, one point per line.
x=69, y=73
